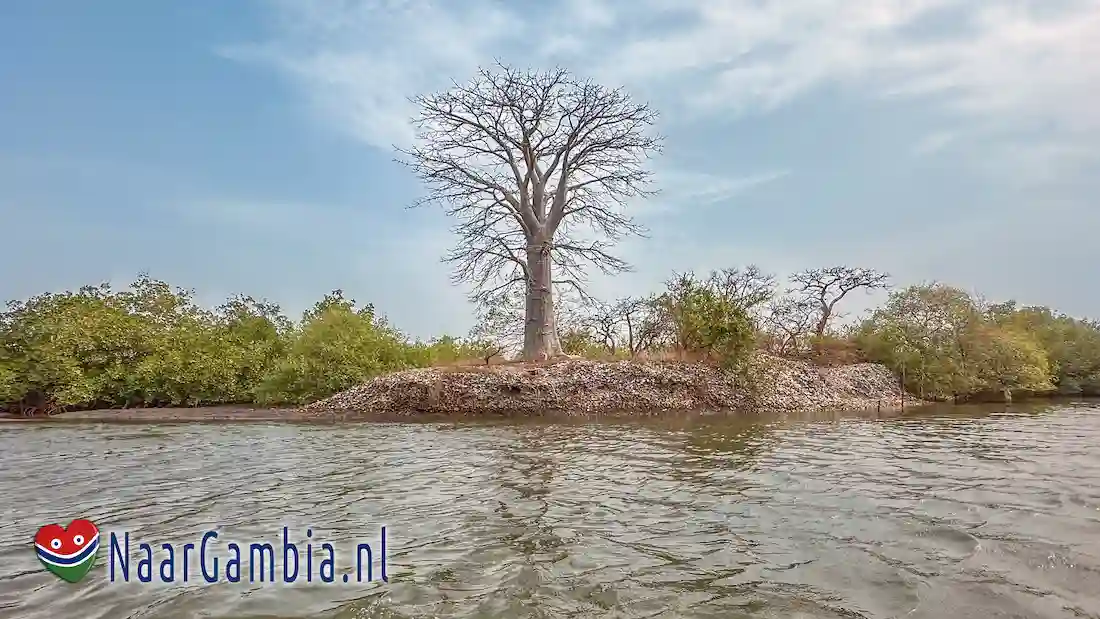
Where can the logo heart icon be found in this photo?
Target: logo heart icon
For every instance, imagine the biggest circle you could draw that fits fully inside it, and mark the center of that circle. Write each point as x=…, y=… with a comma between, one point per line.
x=68, y=552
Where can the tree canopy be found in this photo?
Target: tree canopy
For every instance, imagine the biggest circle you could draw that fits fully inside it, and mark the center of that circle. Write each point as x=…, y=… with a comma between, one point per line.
x=947, y=344
x=152, y=345
x=537, y=168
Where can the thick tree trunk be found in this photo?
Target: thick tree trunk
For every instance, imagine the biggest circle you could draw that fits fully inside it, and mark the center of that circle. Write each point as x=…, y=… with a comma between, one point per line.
x=540, y=332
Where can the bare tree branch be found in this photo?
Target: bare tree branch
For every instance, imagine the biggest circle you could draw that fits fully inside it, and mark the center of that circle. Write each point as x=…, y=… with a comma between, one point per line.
x=827, y=287
x=789, y=320
x=643, y=323
x=748, y=287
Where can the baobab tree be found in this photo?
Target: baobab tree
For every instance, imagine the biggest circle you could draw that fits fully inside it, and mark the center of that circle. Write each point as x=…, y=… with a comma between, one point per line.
x=827, y=287
x=537, y=168
x=500, y=320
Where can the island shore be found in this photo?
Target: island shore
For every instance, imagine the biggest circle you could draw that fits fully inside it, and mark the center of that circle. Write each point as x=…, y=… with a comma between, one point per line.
x=568, y=387
x=167, y=414
x=578, y=387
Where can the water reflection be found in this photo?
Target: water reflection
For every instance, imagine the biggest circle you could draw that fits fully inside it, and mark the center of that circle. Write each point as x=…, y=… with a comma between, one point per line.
x=967, y=512
x=731, y=442
x=525, y=469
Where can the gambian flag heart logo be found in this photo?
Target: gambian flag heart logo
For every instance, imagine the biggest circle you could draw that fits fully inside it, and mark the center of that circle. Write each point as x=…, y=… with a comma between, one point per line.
x=68, y=553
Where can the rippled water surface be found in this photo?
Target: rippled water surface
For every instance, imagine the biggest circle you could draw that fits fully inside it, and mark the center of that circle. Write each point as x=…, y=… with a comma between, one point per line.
x=967, y=513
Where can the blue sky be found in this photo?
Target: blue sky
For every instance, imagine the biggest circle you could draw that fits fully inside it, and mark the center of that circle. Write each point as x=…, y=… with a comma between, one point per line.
x=247, y=146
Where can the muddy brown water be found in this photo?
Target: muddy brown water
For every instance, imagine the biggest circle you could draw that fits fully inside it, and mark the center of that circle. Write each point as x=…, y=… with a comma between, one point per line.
x=964, y=512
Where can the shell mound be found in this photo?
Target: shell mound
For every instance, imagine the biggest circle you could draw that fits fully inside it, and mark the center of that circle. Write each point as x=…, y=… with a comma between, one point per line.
x=582, y=387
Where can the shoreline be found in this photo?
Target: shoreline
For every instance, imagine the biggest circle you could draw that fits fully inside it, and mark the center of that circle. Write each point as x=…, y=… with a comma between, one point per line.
x=574, y=387
x=245, y=415
x=569, y=388
x=236, y=415
x=167, y=414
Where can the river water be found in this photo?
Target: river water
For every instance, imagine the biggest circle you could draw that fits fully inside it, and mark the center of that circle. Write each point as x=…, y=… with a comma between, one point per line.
x=956, y=513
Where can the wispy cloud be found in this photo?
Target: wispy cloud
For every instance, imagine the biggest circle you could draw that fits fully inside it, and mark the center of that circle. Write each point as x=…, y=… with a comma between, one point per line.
x=1003, y=64
x=701, y=189
x=1018, y=60
x=359, y=62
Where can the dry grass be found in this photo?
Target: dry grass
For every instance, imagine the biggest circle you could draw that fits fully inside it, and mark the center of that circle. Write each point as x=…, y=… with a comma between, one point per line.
x=663, y=356
x=677, y=356
x=470, y=365
x=493, y=360
x=824, y=352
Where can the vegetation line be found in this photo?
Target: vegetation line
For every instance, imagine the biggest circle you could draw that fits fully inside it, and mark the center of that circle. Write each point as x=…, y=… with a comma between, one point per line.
x=152, y=345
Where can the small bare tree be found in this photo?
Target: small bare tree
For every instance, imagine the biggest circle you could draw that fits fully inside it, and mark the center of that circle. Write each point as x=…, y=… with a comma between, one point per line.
x=788, y=320
x=643, y=324
x=604, y=322
x=749, y=287
x=537, y=168
x=631, y=324
x=827, y=287
x=499, y=320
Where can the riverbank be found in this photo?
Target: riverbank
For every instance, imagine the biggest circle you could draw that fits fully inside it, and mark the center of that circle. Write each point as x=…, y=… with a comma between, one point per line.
x=569, y=387
x=167, y=414
x=577, y=387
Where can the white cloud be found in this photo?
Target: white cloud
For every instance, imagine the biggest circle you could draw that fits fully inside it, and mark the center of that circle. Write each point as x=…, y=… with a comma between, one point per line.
x=700, y=189
x=359, y=62
x=1004, y=64
x=1016, y=81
